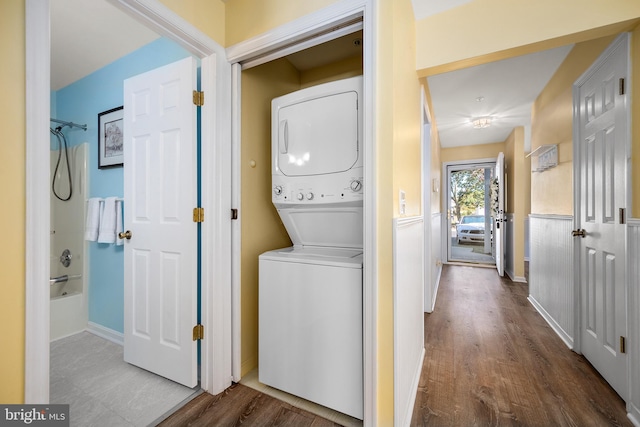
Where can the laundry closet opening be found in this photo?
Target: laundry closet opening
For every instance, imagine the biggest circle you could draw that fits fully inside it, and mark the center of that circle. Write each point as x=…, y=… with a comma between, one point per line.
x=261, y=227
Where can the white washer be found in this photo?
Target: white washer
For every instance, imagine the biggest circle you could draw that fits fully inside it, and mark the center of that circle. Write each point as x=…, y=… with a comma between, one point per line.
x=310, y=295
x=311, y=325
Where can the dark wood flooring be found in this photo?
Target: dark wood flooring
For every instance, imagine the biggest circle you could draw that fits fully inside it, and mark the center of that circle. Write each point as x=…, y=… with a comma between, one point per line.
x=492, y=360
x=241, y=405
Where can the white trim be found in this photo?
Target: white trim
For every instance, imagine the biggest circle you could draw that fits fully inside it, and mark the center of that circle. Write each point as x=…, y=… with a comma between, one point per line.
x=215, y=158
x=36, y=369
x=106, y=333
x=236, y=228
x=295, y=31
x=566, y=338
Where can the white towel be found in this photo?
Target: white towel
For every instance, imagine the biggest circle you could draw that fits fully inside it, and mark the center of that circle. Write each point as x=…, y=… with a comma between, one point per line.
x=107, y=233
x=93, y=219
x=119, y=227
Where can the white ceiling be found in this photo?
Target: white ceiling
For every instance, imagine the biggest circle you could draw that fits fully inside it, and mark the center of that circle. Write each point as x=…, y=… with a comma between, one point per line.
x=87, y=35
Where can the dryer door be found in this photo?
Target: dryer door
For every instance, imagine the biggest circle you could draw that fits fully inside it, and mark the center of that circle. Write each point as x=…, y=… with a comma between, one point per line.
x=317, y=136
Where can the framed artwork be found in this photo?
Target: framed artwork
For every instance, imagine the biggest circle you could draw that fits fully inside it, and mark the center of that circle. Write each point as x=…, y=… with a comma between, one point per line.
x=110, y=138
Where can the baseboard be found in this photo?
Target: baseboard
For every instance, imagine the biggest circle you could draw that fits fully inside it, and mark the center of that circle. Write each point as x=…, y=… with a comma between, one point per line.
x=514, y=278
x=554, y=325
x=414, y=393
x=106, y=333
x=633, y=414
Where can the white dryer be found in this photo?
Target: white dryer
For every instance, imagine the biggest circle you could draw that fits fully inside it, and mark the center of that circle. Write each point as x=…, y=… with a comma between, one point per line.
x=310, y=295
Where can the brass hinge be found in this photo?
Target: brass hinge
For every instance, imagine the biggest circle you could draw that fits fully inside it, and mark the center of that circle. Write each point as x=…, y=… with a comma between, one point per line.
x=198, y=332
x=621, y=86
x=623, y=345
x=622, y=215
x=198, y=214
x=198, y=98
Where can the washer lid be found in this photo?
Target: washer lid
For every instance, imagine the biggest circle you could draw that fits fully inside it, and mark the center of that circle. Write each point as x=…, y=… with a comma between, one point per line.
x=333, y=227
x=351, y=258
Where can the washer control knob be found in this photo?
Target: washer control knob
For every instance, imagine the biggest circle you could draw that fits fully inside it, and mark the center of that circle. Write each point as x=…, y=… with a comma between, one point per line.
x=300, y=196
x=355, y=185
x=277, y=190
x=309, y=196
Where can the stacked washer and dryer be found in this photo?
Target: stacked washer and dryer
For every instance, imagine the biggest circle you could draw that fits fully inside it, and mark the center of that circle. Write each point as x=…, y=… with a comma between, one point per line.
x=310, y=294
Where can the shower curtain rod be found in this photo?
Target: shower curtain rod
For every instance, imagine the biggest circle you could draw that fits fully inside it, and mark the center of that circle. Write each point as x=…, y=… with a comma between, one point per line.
x=70, y=124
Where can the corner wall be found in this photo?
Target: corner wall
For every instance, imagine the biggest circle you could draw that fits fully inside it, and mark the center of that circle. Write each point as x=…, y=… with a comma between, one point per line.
x=12, y=173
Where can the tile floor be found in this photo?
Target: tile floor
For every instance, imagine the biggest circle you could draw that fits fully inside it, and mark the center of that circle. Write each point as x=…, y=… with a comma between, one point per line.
x=89, y=373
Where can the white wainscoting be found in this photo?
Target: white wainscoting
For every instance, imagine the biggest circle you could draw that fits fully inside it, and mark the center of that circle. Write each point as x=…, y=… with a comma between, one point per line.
x=551, y=287
x=408, y=288
x=633, y=316
x=433, y=264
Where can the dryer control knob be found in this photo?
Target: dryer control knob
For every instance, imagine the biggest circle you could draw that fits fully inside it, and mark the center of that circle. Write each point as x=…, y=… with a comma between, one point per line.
x=300, y=196
x=309, y=196
x=355, y=185
x=277, y=190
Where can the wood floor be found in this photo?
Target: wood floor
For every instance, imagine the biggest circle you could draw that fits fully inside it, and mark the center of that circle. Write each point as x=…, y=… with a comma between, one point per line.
x=241, y=405
x=492, y=360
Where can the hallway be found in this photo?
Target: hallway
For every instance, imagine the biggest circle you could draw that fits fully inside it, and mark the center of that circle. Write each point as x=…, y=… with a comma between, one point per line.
x=491, y=359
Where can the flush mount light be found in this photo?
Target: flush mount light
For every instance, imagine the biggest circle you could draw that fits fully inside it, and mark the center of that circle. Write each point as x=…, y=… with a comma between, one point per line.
x=481, y=122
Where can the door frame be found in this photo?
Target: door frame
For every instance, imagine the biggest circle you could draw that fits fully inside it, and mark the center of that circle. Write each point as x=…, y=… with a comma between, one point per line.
x=216, y=191
x=271, y=42
x=445, y=197
x=623, y=39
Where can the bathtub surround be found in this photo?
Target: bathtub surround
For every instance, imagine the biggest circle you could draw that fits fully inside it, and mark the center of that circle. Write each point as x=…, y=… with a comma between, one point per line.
x=68, y=309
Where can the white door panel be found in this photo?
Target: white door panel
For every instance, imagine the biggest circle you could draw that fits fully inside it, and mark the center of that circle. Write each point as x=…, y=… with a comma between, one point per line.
x=602, y=135
x=160, y=194
x=499, y=220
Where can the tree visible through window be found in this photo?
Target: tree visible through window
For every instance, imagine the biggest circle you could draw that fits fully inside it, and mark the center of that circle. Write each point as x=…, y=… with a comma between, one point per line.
x=467, y=192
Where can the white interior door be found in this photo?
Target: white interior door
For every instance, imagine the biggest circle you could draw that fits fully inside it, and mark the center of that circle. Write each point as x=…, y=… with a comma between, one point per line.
x=160, y=193
x=499, y=222
x=601, y=112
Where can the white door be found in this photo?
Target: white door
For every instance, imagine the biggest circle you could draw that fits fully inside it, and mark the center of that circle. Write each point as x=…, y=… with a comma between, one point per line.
x=499, y=223
x=160, y=295
x=601, y=112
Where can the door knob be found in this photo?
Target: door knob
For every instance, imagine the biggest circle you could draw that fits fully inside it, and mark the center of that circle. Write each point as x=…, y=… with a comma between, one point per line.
x=580, y=232
x=125, y=235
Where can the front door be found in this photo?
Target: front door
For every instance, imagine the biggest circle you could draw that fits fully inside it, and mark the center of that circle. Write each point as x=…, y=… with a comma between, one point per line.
x=160, y=191
x=600, y=105
x=498, y=214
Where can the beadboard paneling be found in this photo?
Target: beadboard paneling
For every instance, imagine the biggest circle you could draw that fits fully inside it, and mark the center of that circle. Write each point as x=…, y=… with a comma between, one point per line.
x=551, y=287
x=408, y=288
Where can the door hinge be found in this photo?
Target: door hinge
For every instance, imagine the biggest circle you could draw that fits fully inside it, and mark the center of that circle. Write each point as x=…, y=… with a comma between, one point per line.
x=198, y=98
x=234, y=213
x=623, y=345
x=198, y=214
x=198, y=332
x=622, y=215
x=621, y=87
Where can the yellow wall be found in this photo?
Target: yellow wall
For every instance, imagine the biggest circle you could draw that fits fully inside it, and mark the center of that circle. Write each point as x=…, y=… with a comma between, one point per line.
x=471, y=152
x=344, y=69
x=518, y=169
x=436, y=153
x=248, y=18
x=206, y=15
x=262, y=229
x=12, y=174
x=499, y=28
x=552, y=123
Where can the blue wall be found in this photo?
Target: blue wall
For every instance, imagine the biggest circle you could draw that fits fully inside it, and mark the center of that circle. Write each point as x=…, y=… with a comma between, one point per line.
x=81, y=102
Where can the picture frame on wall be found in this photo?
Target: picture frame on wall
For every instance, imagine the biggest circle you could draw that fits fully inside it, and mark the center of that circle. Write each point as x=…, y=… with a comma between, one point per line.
x=111, y=138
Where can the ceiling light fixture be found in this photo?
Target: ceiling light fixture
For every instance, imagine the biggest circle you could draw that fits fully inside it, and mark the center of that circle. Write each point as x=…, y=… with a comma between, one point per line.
x=481, y=122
